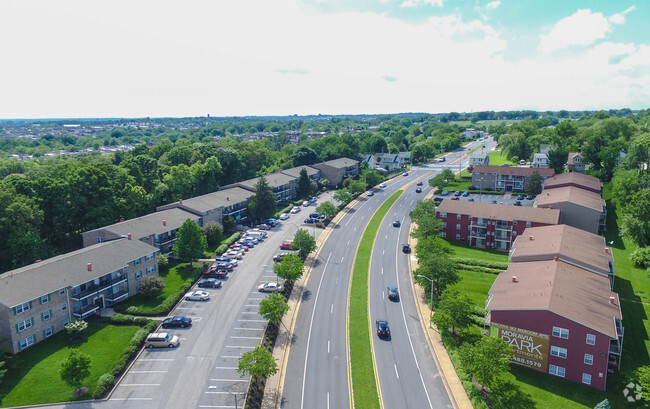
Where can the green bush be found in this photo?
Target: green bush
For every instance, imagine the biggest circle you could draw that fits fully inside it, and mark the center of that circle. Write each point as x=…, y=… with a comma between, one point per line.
x=104, y=383
x=641, y=257
x=119, y=365
x=221, y=249
x=482, y=263
x=479, y=269
x=161, y=309
x=143, y=321
x=122, y=319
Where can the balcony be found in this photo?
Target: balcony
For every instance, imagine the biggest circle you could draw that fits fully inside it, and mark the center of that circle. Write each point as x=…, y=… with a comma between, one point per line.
x=502, y=237
x=479, y=223
x=475, y=234
x=83, y=312
x=117, y=296
x=96, y=288
x=503, y=226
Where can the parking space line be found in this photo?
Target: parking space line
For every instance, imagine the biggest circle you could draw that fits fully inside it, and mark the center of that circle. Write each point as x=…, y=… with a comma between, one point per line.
x=251, y=305
x=237, y=346
x=131, y=399
x=251, y=320
x=254, y=299
x=228, y=380
x=230, y=356
x=234, y=337
x=225, y=367
x=250, y=312
x=251, y=329
x=139, y=384
x=147, y=371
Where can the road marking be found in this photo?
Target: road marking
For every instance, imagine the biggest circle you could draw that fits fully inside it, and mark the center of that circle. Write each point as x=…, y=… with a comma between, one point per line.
x=252, y=320
x=396, y=373
x=337, y=281
x=382, y=271
x=328, y=346
x=386, y=238
x=212, y=406
x=328, y=400
x=228, y=380
x=348, y=242
x=342, y=259
x=237, y=346
x=254, y=299
x=332, y=308
x=383, y=295
x=251, y=305
x=156, y=359
x=355, y=229
x=225, y=367
x=139, y=384
x=233, y=337
x=230, y=356
x=249, y=312
x=250, y=329
x=147, y=371
x=131, y=399
x=383, y=252
x=412, y=201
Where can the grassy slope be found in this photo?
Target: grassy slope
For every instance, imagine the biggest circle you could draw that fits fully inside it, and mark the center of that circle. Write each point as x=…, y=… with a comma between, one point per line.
x=498, y=158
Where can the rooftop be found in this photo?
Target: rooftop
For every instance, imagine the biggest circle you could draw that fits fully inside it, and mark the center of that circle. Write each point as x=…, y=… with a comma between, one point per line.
x=275, y=179
x=340, y=163
x=576, y=178
x=513, y=170
x=215, y=200
x=586, y=198
x=151, y=224
x=500, y=212
x=295, y=172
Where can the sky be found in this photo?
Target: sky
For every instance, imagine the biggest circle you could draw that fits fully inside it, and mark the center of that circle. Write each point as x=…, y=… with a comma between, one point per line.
x=124, y=58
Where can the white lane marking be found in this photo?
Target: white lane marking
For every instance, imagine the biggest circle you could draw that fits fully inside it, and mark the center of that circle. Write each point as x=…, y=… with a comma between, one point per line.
x=382, y=271
x=249, y=312
x=383, y=252
x=332, y=308
x=255, y=299
x=337, y=281
x=396, y=373
x=147, y=371
x=131, y=399
x=328, y=400
x=383, y=295
x=250, y=329
x=355, y=229
x=328, y=346
x=233, y=337
x=342, y=259
x=252, y=320
x=348, y=242
x=225, y=367
x=386, y=238
x=190, y=308
x=412, y=201
x=228, y=380
x=237, y=346
x=230, y=356
x=311, y=323
x=156, y=359
x=139, y=384
x=252, y=305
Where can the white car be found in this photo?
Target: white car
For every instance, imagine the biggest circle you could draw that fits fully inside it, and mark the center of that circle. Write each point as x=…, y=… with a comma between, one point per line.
x=198, y=296
x=235, y=254
x=269, y=288
x=284, y=216
x=306, y=203
x=295, y=210
x=382, y=185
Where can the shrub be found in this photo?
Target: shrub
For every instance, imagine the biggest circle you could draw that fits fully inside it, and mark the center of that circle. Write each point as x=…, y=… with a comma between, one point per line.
x=163, y=261
x=104, y=383
x=76, y=326
x=119, y=365
x=151, y=286
x=221, y=249
x=641, y=257
x=483, y=263
x=122, y=319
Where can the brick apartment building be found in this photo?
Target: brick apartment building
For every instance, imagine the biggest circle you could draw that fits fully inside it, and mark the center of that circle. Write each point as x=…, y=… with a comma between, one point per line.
x=506, y=178
x=580, y=208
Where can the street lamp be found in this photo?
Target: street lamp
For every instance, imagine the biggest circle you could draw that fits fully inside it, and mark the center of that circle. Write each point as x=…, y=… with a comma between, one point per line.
x=431, y=281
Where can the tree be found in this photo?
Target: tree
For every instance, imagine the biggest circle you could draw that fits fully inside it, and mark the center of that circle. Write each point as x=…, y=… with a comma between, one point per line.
x=304, y=184
x=262, y=204
x=273, y=308
x=304, y=243
x=557, y=158
x=534, y=186
x=258, y=363
x=304, y=156
x=151, y=286
x=213, y=232
x=290, y=268
x=371, y=177
x=625, y=184
x=636, y=218
x=435, y=264
x=355, y=187
x=343, y=196
x=424, y=215
x=507, y=395
x=326, y=208
x=438, y=181
x=75, y=369
x=604, y=404
x=190, y=242
x=454, y=312
x=643, y=375
x=486, y=360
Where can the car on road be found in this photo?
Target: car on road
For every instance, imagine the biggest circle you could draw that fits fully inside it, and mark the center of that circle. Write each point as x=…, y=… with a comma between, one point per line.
x=284, y=216
x=444, y=193
x=370, y=193
x=197, y=296
x=465, y=193
x=383, y=331
x=382, y=185
x=178, y=321
x=161, y=340
x=454, y=198
x=442, y=159
x=397, y=223
x=210, y=283
x=393, y=294
x=306, y=203
x=471, y=199
x=405, y=174
x=215, y=272
x=520, y=197
x=313, y=199
x=418, y=190
x=286, y=245
x=517, y=203
x=529, y=197
x=278, y=257
x=406, y=248
x=311, y=220
x=269, y=288
x=294, y=210
x=457, y=193
x=419, y=183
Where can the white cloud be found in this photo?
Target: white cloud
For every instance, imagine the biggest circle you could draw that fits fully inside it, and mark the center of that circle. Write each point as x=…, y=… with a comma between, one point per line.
x=417, y=3
x=583, y=27
x=493, y=5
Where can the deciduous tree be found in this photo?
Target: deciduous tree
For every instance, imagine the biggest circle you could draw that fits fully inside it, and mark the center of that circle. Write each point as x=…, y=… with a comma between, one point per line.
x=304, y=184
x=304, y=243
x=258, y=363
x=326, y=208
x=273, y=308
x=290, y=268
x=190, y=242
x=486, y=360
x=75, y=368
x=151, y=286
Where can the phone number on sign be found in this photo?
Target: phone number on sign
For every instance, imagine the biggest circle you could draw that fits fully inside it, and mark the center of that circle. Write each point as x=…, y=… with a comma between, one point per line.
x=527, y=362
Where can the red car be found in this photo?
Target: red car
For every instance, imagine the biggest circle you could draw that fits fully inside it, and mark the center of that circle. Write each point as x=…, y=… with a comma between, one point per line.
x=286, y=245
x=419, y=183
x=215, y=272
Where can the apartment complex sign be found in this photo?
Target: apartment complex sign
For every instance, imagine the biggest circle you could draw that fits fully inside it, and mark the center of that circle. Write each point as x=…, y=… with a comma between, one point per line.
x=530, y=348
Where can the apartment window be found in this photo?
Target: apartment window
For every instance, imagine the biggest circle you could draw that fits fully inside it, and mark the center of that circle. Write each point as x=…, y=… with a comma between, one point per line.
x=458, y=227
x=586, y=379
x=48, y=331
x=138, y=274
x=514, y=222
x=64, y=306
x=136, y=262
x=514, y=232
x=100, y=239
x=527, y=224
x=591, y=339
x=589, y=359
x=561, y=332
x=22, y=308
x=23, y=325
x=556, y=370
x=458, y=237
x=45, y=299
x=557, y=351
x=46, y=315
x=458, y=216
x=444, y=225
x=61, y=291
x=443, y=215
x=149, y=257
x=66, y=322
x=151, y=269
x=443, y=234
x=24, y=343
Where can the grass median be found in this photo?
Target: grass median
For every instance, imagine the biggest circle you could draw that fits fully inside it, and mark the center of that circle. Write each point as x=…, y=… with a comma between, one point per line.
x=363, y=375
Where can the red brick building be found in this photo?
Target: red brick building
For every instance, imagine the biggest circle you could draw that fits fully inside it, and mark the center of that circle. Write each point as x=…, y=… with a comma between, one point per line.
x=487, y=225
x=559, y=319
x=575, y=179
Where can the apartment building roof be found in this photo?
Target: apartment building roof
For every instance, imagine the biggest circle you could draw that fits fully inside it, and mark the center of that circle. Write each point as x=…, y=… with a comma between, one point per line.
x=513, y=170
x=570, y=244
x=69, y=270
x=215, y=200
x=585, y=198
x=151, y=224
x=500, y=212
x=340, y=163
x=295, y=172
x=574, y=178
x=275, y=179
x=564, y=289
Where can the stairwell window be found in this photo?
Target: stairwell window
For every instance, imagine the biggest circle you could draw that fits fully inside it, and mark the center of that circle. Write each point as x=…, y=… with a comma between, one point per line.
x=589, y=359
x=586, y=379
x=558, y=351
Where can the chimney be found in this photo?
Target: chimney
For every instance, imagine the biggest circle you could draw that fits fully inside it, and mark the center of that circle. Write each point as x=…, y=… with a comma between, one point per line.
x=90, y=266
x=555, y=258
x=129, y=236
x=228, y=198
x=164, y=222
x=514, y=279
x=612, y=300
x=530, y=238
x=607, y=250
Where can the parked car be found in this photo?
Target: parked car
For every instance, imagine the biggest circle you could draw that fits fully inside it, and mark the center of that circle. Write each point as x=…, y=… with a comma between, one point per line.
x=286, y=245
x=215, y=272
x=271, y=221
x=225, y=266
x=419, y=183
x=370, y=193
x=397, y=223
x=235, y=254
x=284, y=216
x=465, y=193
x=382, y=328
x=522, y=162
x=529, y=197
x=313, y=199
x=161, y=340
x=520, y=197
x=393, y=294
x=517, y=203
x=263, y=226
x=178, y=321
x=210, y=283
x=250, y=239
x=197, y=296
x=454, y=198
x=406, y=248
x=457, y=193
x=311, y=220
x=444, y=193
x=278, y=257
x=471, y=199
x=493, y=201
x=505, y=164
x=224, y=259
x=437, y=200
x=269, y=288
x=306, y=203
x=418, y=190
x=294, y=210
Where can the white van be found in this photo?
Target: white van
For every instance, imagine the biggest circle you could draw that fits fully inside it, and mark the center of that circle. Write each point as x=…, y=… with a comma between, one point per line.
x=256, y=235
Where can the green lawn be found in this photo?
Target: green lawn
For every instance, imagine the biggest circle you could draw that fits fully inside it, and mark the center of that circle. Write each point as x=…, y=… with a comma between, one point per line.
x=33, y=376
x=475, y=285
x=462, y=250
x=499, y=158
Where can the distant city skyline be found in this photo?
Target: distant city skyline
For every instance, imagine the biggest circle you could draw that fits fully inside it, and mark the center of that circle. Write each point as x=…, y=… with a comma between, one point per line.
x=78, y=59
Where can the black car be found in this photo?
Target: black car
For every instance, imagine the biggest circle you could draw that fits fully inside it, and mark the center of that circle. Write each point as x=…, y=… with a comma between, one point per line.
x=438, y=200
x=177, y=322
x=221, y=265
x=315, y=215
x=210, y=283
x=517, y=203
x=406, y=248
x=311, y=220
x=397, y=223
x=529, y=197
x=382, y=328
x=418, y=190
x=393, y=294
x=223, y=259
x=520, y=197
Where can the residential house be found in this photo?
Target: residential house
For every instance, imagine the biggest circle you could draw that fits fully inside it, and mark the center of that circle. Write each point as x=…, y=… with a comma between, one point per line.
x=156, y=229
x=580, y=208
x=575, y=163
x=575, y=179
x=506, y=178
x=487, y=225
x=568, y=244
x=338, y=169
x=38, y=300
x=559, y=319
x=471, y=133
x=215, y=206
x=479, y=159
x=540, y=160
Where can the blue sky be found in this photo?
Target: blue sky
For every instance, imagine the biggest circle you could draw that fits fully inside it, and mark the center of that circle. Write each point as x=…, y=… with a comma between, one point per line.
x=282, y=57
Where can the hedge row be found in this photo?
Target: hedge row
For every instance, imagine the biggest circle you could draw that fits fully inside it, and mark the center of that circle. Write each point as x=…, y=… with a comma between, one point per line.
x=230, y=240
x=106, y=381
x=480, y=269
x=164, y=307
x=285, y=210
x=497, y=265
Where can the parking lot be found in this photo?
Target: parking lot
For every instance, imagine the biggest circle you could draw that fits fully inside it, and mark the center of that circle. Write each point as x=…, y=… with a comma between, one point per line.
x=486, y=197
